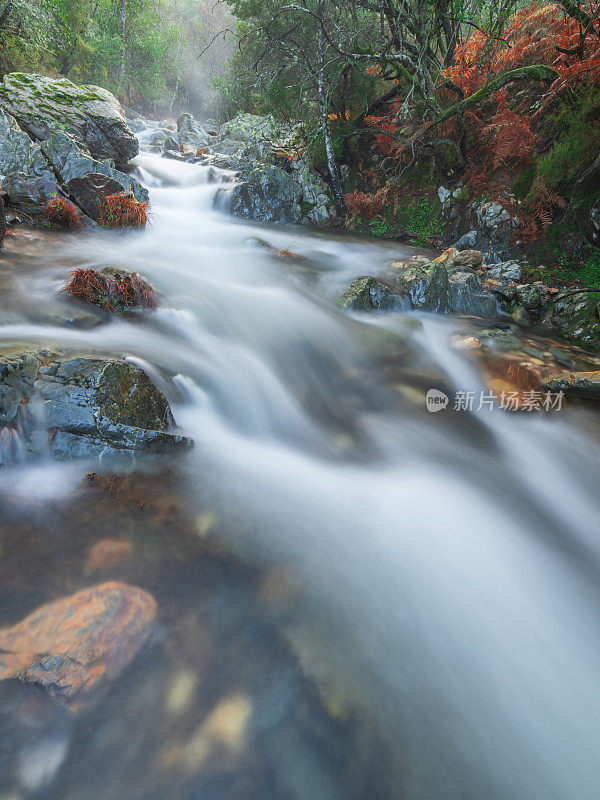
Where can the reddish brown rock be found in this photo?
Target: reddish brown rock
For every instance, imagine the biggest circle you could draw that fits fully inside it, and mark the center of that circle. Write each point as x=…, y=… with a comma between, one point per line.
x=107, y=554
x=73, y=644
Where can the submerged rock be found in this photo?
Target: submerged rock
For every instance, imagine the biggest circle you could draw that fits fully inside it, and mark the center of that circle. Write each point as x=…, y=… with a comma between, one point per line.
x=76, y=644
x=73, y=406
x=368, y=294
x=85, y=179
x=43, y=106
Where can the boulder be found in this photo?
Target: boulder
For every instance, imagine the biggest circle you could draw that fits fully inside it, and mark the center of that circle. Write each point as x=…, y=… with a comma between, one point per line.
x=264, y=151
x=368, y=294
x=98, y=406
x=43, y=106
x=576, y=318
x=268, y=194
x=191, y=136
x=505, y=271
x=78, y=643
x=468, y=258
x=444, y=286
x=28, y=180
x=74, y=406
x=575, y=384
x=84, y=179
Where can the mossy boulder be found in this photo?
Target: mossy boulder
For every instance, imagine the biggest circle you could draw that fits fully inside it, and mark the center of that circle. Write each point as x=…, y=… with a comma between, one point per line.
x=78, y=406
x=368, y=294
x=43, y=106
x=576, y=317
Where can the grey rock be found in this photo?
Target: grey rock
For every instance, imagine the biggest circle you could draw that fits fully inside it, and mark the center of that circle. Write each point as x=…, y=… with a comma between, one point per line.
x=253, y=145
x=43, y=106
x=505, y=271
x=443, y=287
x=577, y=318
x=18, y=372
x=85, y=179
x=192, y=136
x=467, y=241
x=529, y=295
x=170, y=145
x=79, y=406
x=267, y=194
x=28, y=180
x=468, y=297
x=368, y=294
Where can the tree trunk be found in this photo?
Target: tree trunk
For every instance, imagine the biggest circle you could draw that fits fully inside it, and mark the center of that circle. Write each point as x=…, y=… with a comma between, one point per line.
x=2, y=222
x=332, y=166
x=123, y=21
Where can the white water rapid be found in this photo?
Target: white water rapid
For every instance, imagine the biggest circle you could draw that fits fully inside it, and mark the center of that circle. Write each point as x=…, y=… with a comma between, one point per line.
x=449, y=564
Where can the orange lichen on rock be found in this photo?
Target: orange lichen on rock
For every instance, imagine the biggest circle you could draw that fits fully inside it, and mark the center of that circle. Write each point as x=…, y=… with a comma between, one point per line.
x=74, y=644
x=107, y=554
x=63, y=214
x=122, y=211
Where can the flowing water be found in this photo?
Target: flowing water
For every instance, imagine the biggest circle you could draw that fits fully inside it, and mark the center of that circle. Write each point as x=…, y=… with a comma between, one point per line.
x=357, y=598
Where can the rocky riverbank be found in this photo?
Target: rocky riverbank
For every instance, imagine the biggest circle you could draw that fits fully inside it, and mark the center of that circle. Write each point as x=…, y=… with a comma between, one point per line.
x=75, y=144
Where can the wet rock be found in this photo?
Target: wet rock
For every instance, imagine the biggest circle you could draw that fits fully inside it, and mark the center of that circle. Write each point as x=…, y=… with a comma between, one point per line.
x=267, y=194
x=575, y=384
x=98, y=407
x=530, y=295
x=85, y=179
x=443, y=285
x=192, y=135
x=576, y=318
x=468, y=258
x=111, y=289
x=107, y=554
x=468, y=297
x=170, y=145
x=43, y=106
x=28, y=180
x=272, y=159
x=505, y=271
x=69, y=406
x=76, y=644
x=18, y=373
x=368, y=294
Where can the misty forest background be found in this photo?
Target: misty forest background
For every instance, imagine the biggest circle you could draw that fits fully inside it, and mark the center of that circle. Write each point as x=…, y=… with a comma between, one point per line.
x=396, y=96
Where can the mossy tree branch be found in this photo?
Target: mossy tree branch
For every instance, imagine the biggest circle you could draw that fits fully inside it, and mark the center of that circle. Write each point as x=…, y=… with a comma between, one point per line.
x=538, y=72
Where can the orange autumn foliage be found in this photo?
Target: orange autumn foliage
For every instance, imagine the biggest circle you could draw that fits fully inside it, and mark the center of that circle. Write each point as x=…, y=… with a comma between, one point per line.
x=122, y=211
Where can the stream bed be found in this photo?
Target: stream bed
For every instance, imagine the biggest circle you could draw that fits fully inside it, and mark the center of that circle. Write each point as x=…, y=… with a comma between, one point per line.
x=356, y=598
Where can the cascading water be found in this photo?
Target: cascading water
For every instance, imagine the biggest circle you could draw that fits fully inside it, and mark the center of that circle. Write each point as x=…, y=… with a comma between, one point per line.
x=448, y=567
